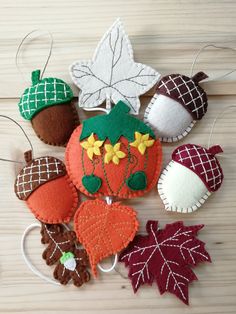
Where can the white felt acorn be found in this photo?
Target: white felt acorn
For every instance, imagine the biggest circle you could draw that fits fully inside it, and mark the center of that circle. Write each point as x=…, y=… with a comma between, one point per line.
x=190, y=177
x=178, y=103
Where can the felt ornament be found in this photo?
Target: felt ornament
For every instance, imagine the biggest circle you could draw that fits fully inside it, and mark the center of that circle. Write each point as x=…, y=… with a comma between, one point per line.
x=45, y=186
x=112, y=74
x=104, y=229
x=114, y=155
x=71, y=262
x=190, y=177
x=165, y=256
x=48, y=105
x=178, y=103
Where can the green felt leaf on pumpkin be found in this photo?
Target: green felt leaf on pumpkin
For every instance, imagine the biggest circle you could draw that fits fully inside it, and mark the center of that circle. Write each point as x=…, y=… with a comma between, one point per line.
x=137, y=181
x=114, y=125
x=43, y=93
x=91, y=183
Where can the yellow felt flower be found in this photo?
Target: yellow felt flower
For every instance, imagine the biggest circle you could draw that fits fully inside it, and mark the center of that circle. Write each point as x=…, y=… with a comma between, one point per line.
x=142, y=142
x=92, y=146
x=113, y=153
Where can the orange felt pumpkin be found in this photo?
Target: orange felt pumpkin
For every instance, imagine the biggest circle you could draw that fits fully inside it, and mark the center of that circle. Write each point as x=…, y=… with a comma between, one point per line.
x=104, y=229
x=114, y=155
x=45, y=186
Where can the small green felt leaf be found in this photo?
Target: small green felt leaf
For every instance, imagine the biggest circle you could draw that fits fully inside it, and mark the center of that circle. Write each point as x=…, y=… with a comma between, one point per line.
x=91, y=183
x=137, y=181
x=115, y=124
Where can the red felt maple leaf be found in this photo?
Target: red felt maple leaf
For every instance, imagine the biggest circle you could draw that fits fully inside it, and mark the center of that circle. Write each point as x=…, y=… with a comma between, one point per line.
x=165, y=256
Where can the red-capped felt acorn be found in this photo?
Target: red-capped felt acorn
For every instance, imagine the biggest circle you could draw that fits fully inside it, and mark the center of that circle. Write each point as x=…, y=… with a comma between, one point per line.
x=48, y=105
x=178, y=103
x=190, y=177
x=47, y=190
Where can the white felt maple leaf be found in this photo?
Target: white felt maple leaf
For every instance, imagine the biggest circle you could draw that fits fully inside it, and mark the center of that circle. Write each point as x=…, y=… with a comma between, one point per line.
x=112, y=73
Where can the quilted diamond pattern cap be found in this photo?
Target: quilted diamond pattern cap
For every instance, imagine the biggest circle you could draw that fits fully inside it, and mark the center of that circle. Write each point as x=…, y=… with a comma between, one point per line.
x=37, y=172
x=202, y=162
x=43, y=93
x=186, y=91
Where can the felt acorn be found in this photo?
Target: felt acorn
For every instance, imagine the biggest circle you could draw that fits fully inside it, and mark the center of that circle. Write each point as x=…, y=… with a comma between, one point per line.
x=45, y=186
x=178, y=103
x=190, y=177
x=48, y=105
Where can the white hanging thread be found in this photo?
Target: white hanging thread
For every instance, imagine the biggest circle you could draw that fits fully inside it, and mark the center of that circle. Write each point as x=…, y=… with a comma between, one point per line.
x=21, y=44
x=216, y=47
x=220, y=115
x=106, y=110
x=23, y=131
x=27, y=261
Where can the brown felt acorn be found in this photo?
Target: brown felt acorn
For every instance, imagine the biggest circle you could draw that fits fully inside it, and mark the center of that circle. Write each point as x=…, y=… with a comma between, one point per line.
x=178, y=103
x=45, y=186
x=48, y=105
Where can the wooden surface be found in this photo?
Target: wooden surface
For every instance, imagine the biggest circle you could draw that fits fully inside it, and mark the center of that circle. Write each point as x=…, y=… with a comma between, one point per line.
x=164, y=34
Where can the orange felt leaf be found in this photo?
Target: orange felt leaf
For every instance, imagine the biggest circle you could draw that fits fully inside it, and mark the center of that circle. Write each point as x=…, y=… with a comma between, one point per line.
x=104, y=229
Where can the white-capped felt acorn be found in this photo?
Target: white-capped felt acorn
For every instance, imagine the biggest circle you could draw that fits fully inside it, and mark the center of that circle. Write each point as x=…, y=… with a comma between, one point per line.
x=68, y=260
x=47, y=190
x=190, y=177
x=47, y=103
x=178, y=103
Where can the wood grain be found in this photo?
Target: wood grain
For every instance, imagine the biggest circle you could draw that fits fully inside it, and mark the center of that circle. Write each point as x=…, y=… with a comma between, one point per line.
x=165, y=34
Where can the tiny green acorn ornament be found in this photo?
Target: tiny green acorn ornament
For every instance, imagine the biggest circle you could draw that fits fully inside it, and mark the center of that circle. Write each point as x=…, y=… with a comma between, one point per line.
x=48, y=105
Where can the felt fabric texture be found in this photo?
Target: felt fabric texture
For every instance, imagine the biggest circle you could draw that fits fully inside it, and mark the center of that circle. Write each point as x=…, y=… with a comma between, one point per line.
x=202, y=162
x=112, y=73
x=165, y=256
x=168, y=118
x=71, y=262
x=104, y=229
x=137, y=150
x=42, y=94
x=186, y=91
x=180, y=189
x=115, y=124
x=54, y=202
x=36, y=173
x=55, y=124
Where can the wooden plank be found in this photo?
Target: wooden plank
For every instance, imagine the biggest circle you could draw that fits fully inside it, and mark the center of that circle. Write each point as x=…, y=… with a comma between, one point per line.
x=21, y=291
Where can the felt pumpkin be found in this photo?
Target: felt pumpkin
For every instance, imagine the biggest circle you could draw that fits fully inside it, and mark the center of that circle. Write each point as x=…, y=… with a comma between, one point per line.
x=114, y=155
x=48, y=105
x=190, y=177
x=178, y=103
x=45, y=186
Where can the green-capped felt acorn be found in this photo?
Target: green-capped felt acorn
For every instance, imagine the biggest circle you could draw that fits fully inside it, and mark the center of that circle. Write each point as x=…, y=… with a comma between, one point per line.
x=48, y=105
x=68, y=260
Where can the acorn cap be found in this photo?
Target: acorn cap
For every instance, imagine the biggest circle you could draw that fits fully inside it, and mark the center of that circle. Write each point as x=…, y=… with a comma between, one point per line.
x=43, y=93
x=186, y=91
x=37, y=172
x=202, y=162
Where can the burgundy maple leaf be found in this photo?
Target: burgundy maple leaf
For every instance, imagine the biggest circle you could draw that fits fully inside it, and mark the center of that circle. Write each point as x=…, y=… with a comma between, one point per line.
x=165, y=256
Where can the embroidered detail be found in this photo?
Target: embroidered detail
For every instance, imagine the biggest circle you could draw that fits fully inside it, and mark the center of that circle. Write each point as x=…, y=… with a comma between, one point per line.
x=113, y=73
x=113, y=153
x=37, y=172
x=137, y=181
x=92, y=146
x=42, y=94
x=91, y=183
x=114, y=125
x=142, y=142
x=169, y=139
x=165, y=256
x=176, y=207
x=104, y=229
x=202, y=162
x=71, y=262
x=186, y=91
